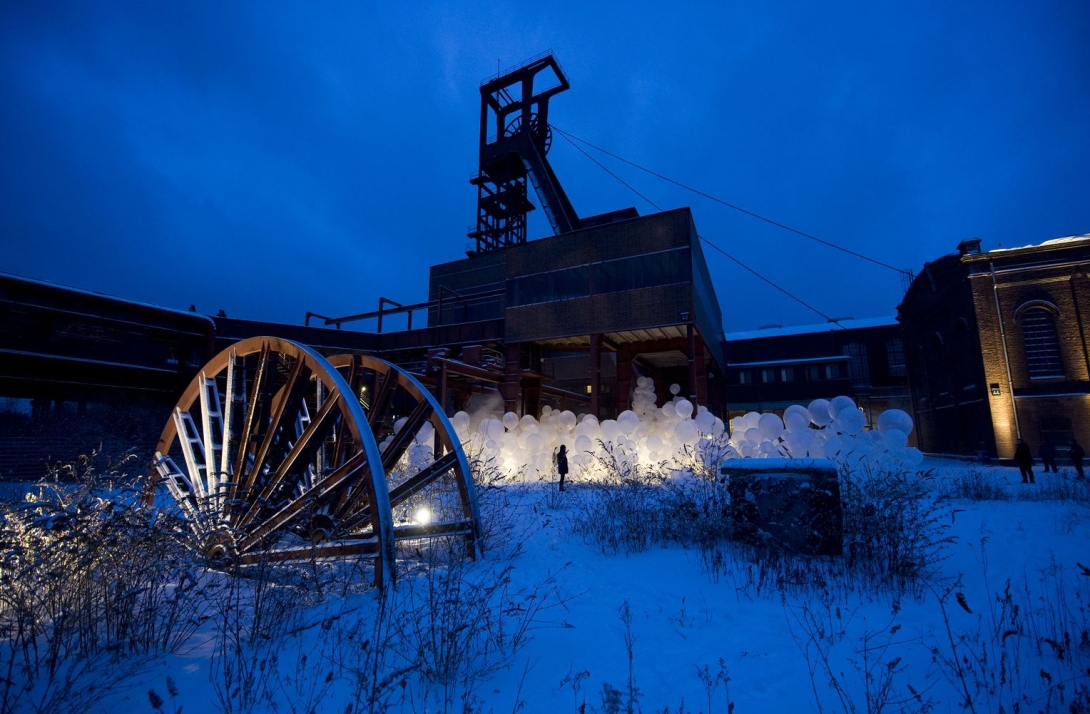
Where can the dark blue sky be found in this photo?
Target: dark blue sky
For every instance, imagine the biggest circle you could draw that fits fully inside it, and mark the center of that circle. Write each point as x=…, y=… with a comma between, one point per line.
x=270, y=159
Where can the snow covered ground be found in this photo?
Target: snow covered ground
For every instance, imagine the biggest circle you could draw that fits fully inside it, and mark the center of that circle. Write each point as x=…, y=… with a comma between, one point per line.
x=1002, y=621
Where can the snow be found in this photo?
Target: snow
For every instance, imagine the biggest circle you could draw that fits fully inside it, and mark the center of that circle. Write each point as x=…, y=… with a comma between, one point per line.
x=682, y=618
x=846, y=323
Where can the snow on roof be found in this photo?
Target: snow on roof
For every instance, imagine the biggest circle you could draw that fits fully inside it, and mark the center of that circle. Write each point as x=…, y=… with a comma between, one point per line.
x=78, y=291
x=849, y=323
x=1053, y=242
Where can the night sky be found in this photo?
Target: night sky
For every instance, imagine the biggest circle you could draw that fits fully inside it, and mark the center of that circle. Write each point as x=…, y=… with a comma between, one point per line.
x=268, y=159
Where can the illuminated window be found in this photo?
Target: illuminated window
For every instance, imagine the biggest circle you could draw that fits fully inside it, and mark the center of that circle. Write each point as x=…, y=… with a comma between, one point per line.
x=832, y=371
x=745, y=377
x=787, y=374
x=768, y=375
x=813, y=373
x=1041, y=343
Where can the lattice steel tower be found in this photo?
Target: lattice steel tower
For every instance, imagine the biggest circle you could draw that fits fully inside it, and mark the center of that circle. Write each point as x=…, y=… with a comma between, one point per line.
x=515, y=136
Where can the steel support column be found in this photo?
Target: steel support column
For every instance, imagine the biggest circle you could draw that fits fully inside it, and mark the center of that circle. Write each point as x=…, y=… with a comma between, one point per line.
x=595, y=374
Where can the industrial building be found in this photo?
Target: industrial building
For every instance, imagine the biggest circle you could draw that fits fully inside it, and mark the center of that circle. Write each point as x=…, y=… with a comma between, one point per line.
x=997, y=349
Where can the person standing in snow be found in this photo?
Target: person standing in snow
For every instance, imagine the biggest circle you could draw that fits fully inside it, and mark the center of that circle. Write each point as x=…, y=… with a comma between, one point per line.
x=562, y=464
x=1048, y=456
x=1076, y=453
x=1024, y=459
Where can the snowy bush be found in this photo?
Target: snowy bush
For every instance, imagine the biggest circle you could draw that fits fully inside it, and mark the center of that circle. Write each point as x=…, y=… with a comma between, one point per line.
x=91, y=587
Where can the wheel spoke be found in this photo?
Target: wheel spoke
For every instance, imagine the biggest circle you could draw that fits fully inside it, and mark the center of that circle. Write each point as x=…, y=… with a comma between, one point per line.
x=244, y=481
x=403, y=438
x=302, y=444
x=289, y=394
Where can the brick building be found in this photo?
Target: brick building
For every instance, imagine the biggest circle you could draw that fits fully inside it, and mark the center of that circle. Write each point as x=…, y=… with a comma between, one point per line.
x=584, y=313
x=996, y=347
x=771, y=368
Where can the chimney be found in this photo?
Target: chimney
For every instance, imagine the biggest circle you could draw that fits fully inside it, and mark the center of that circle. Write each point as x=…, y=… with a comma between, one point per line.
x=970, y=246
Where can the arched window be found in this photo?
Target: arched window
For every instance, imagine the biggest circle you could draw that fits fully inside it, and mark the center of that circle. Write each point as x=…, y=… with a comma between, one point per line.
x=1039, y=339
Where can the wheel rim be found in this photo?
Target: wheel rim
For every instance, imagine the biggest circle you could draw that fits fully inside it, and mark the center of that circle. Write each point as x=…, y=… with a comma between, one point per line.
x=442, y=477
x=268, y=456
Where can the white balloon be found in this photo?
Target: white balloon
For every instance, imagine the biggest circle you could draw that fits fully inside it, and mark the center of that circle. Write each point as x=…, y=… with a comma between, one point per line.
x=510, y=420
x=894, y=438
x=684, y=408
x=425, y=434
x=686, y=432
x=895, y=419
x=460, y=420
x=754, y=435
x=850, y=421
x=705, y=421
x=675, y=389
x=796, y=418
x=839, y=404
x=400, y=424
x=819, y=412
x=770, y=426
x=653, y=444
x=913, y=456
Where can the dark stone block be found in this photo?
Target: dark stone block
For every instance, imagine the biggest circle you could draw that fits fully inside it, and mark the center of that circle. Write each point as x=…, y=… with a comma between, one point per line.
x=788, y=504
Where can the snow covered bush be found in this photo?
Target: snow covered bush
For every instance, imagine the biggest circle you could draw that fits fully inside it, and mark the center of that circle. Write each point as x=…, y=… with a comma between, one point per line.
x=91, y=587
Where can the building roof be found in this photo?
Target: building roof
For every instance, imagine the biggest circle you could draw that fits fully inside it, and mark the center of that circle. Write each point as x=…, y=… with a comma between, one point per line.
x=778, y=331
x=1054, y=243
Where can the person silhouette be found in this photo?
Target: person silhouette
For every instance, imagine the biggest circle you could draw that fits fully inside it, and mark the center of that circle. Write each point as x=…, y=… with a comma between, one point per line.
x=562, y=464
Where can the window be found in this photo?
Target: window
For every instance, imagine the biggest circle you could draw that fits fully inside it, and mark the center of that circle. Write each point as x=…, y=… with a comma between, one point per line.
x=768, y=375
x=858, y=367
x=787, y=374
x=643, y=271
x=548, y=287
x=745, y=377
x=813, y=373
x=832, y=371
x=1041, y=343
x=895, y=354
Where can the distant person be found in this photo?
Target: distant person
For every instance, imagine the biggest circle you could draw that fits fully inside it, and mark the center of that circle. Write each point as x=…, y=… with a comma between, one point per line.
x=1076, y=453
x=1048, y=456
x=562, y=464
x=1024, y=459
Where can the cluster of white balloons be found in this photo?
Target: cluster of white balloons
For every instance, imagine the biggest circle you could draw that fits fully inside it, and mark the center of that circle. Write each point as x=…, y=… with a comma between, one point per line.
x=832, y=429
x=673, y=436
x=645, y=434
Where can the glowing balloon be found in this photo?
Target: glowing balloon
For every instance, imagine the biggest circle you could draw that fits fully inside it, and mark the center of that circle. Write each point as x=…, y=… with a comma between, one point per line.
x=705, y=422
x=895, y=419
x=583, y=444
x=819, y=412
x=686, y=432
x=850, y=421
x=675, y=389
x=796, y=418
x=770, y=426
x=839, y=404
x=684, y=408
x=425, y=434
x=510, y=420
x=460, y=420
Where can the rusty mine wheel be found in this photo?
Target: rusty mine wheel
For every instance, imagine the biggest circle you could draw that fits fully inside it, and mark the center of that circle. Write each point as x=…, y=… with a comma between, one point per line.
x=424, y=468
x=271, y=455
